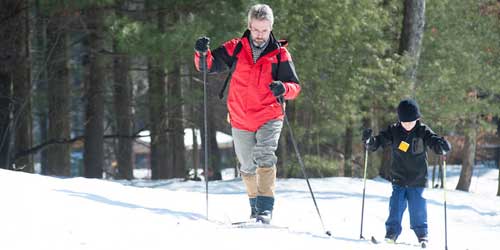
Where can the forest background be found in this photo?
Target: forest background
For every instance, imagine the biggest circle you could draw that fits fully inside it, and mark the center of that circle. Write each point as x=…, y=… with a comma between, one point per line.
x=81, y=81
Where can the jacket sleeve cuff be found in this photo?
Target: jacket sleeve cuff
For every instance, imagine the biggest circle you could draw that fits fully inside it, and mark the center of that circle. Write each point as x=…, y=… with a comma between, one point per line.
x=292, y=90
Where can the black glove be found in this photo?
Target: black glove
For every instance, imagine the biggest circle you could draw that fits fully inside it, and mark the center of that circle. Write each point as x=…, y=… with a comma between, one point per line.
x=277, y=87
x=367, y=134
x=442, y=146
x=201, y=45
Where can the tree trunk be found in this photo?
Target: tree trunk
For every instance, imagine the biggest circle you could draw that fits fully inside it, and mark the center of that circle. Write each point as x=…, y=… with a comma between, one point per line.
x=157, y=114
x=175, y=121
x=157, y=105
x=348, y=151
x=5, y=106
x=93, y=155
x=498, y=190
x=123, y=116
x=412, y=36
x=6, y=55
x=366, y=123
x=214, y=159
x=13, y=70
x=123, y=95
x=283, y=154
x=287, y=152
x=22, y=89
x=214, y=151
x=39, y=78
x=468, y=155
x=195, y=154
x=498, y=156
x=59, y=97
x=194, y=117
x=386, y=157
x=43, y=119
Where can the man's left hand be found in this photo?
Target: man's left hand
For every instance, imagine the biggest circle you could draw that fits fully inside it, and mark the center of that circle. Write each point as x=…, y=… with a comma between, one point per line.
x=278, y=88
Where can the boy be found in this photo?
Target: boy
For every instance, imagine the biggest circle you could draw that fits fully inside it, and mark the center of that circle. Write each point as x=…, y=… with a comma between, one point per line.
x=408, y=139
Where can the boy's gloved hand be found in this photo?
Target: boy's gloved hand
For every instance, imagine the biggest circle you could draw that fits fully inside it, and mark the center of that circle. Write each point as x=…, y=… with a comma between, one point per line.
x=443, y=146
x=367, y=134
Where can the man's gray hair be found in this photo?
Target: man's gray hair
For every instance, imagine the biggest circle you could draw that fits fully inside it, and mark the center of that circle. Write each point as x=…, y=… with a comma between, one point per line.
x=260, y=12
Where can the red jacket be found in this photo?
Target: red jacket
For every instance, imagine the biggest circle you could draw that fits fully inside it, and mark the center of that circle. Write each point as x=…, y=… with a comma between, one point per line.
x=250, y=101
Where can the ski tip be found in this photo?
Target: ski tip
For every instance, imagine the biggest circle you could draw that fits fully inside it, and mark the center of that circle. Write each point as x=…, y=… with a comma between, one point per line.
x=423, y=244
x=328, y=233
x=374, y=240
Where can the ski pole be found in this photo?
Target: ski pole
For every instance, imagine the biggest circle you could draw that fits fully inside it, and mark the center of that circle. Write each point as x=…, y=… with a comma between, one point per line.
x=364, y=188
x=434, y=173
x=444, y=192
x=281, y=100
x=205, y=124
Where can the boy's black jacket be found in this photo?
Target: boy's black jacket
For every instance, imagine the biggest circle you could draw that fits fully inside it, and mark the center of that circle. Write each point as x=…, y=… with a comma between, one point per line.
x=407, y=168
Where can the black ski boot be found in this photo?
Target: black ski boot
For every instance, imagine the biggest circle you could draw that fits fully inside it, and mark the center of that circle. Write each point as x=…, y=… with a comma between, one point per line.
x=253, y=209
x=264, y=205
x=264, y=217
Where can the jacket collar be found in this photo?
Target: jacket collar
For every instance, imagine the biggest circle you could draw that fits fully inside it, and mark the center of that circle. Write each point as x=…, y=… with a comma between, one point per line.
x=417, y=124
x=271, y=46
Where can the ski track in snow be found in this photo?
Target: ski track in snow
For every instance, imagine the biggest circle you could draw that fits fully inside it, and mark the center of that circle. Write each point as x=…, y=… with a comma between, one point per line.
x=41, y=212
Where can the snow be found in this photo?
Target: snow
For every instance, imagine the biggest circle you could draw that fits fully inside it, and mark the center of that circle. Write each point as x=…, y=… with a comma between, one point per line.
x=41, y=212
x=223, y=139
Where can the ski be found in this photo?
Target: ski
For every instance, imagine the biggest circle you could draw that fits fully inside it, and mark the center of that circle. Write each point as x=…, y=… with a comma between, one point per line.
x=243, y=222
x=387, y=241
x=423, y=244
x=255, y=224
x=374, y=240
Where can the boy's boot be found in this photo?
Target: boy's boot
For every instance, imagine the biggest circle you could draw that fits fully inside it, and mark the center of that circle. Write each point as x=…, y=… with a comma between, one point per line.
x=390, y=238
x=251, y=187
x=423, y=241
x=266, y=178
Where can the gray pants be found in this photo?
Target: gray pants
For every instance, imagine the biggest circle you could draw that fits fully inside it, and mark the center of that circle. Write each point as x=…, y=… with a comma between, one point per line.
x=257, y=149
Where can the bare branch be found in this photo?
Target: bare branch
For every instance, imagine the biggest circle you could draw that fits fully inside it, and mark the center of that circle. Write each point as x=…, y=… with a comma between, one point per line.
x=43, y=145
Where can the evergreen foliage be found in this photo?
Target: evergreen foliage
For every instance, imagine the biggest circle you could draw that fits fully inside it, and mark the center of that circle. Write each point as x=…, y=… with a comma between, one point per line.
x=345, y=53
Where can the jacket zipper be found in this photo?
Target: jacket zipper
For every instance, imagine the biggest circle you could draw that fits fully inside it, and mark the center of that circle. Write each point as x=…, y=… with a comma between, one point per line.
x=260, y=74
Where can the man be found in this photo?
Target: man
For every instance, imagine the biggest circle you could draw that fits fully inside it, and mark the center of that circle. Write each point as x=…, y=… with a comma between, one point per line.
x=263, y=75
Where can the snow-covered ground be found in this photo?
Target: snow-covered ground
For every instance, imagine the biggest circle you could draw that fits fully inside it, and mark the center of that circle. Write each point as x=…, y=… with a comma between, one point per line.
x=40, y=212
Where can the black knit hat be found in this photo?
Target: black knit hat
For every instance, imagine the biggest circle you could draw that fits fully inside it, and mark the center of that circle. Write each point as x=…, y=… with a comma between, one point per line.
x=408, y=110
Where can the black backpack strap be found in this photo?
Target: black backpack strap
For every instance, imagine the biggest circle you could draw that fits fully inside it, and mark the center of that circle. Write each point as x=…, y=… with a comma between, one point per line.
x=280, y=99
x=278, y=56
x=233, y=66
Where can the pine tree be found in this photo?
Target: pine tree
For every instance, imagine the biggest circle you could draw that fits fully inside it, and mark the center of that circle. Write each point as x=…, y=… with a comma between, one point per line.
x=123, y=96
x=15, y=85
x=93, y=155
x=459, y=79
x=58, y=93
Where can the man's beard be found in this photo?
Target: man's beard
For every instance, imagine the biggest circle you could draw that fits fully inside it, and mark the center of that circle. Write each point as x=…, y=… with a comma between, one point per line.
x=258, y=43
